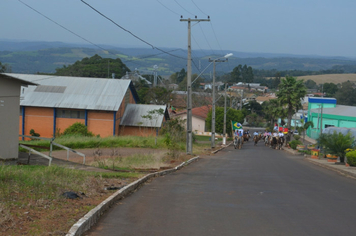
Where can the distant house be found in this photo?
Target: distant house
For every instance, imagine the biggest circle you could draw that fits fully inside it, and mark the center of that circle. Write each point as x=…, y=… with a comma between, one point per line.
x=143, y=120
x=199, y=115
x=261, y=99
x=60, y=101
x=179, y=99
x=10, y=91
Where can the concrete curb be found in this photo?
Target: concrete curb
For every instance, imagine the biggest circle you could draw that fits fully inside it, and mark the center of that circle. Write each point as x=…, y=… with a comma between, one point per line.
x=87, y=221
x=340, y=169
x=213, y=152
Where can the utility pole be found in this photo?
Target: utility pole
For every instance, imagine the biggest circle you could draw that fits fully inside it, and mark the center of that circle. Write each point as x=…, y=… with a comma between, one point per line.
x=155, y=67
x=189, y=86
x=224, y=132
x=213, y=109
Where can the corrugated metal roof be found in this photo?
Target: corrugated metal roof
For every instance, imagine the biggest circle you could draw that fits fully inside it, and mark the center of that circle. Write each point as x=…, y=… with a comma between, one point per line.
x=134, y=112
x=339, y=110
x=74, y=92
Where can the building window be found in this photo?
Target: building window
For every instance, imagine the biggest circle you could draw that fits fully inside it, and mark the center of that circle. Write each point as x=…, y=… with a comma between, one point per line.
x=61, y=113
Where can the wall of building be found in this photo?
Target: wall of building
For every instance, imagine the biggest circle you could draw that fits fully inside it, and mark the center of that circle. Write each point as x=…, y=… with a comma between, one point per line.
x=9, y=118
x=101, y=123
x=138, y=131
x=39, y=119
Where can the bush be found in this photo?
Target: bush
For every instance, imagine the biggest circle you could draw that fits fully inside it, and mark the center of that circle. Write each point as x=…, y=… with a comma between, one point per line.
x=351, y=158
x=78, y=129
x=296, y=137
x=293, y=144
x=336, y=143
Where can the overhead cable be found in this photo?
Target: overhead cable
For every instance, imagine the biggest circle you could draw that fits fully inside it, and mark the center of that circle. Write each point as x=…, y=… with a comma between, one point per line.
x=137, y=37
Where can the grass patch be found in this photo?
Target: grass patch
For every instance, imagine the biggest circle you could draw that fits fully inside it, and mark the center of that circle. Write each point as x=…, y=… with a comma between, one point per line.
x=31, y=197
x=79, y=142
x=205, y=138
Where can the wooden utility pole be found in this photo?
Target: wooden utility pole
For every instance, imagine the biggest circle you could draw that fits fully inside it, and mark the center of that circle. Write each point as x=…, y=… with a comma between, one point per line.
x=189, y=86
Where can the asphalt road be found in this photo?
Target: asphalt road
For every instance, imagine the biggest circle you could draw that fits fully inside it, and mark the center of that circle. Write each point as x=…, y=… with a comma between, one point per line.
x=252, y=191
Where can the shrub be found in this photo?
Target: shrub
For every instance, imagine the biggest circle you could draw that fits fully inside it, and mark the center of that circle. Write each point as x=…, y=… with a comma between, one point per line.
x=293, y=144
x=296, y=137
x=78, y=129
x=351, y=158
x=33, y=133
x=336, y=143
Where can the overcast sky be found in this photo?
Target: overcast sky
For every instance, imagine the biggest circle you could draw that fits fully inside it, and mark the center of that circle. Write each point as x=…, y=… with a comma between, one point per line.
x=310, y=27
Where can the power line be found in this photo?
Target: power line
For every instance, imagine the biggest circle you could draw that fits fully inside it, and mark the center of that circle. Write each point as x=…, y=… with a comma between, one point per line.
x=206, y=39
x=199, y=8
x=153, y=47
x=167, y=8
x=61, y=25
x=184, y=8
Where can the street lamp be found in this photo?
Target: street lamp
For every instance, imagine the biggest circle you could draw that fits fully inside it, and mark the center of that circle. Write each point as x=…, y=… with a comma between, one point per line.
x=225, y=58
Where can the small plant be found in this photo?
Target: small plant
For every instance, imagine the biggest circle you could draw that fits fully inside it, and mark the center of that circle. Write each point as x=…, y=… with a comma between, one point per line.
x=351, y=158
x=78, y=129
x=296, y=137
x=293, y=144
x=33, y=133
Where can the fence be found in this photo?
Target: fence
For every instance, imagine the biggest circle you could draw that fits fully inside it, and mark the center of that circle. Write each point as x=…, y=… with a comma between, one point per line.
x=51, y=140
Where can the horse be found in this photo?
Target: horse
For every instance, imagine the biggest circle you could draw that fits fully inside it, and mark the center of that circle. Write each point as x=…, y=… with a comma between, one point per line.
x=255, y=139
x=246, y=137
x=280, y=142
x=267, y=141
x=274, y=141
x=237, y=142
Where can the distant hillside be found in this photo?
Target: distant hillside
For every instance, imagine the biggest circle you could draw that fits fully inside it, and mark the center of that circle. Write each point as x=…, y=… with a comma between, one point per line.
x=45, y=57
x=331, y=78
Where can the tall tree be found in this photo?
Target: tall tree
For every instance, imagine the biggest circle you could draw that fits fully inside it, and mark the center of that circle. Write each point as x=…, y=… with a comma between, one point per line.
x=329, y=89
x=290, y=93
x=346, y=95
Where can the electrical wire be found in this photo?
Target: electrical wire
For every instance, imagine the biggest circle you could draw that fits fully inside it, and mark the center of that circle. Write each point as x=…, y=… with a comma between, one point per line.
x=167, y=8
x=199, y=8
x=184, y=8
x=153, y=47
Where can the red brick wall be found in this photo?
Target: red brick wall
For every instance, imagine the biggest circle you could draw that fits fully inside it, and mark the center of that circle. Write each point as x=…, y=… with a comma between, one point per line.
x=101, y=122
x=40, y=119
x=63, y=123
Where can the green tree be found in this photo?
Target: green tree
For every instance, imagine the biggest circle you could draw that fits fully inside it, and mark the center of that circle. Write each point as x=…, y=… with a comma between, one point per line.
x=157, y=95
x=329, y=89
x=346, y=95
x=231, y=115
x=290, y=93
x=95, y=66
x=310, y=84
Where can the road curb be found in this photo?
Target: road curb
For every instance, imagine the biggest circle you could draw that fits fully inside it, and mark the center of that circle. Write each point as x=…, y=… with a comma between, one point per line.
x=329, y=167
x=87, y=221
x=213, y=152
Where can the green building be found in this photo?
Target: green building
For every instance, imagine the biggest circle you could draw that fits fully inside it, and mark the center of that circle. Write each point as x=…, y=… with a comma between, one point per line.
x=324, y=113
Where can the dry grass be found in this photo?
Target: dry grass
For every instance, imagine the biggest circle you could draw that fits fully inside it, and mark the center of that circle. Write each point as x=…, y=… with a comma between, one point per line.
x=329, y=78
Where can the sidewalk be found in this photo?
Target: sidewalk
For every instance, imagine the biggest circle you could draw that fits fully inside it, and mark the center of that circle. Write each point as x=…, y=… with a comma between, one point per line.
x=348, y=171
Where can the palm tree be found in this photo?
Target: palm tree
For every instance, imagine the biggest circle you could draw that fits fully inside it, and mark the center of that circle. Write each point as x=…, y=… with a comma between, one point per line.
x=290, y=93
x=304, y=127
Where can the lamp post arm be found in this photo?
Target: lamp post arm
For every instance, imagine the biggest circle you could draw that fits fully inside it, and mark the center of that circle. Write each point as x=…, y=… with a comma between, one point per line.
x=202, y=72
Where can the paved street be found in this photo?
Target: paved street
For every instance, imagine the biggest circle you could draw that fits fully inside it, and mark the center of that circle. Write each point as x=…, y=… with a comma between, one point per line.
x=252, y=191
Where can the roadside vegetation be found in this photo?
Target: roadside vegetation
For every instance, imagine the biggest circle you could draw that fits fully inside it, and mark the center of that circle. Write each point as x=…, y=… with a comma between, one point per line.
x=32, y=200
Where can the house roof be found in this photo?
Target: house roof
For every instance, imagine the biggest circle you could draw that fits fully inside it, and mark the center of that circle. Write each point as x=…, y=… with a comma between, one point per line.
x=263, y=99
x=200, y=112
x=339, y=110
x=23, y=81
x=75, y=92
x=133, y=115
